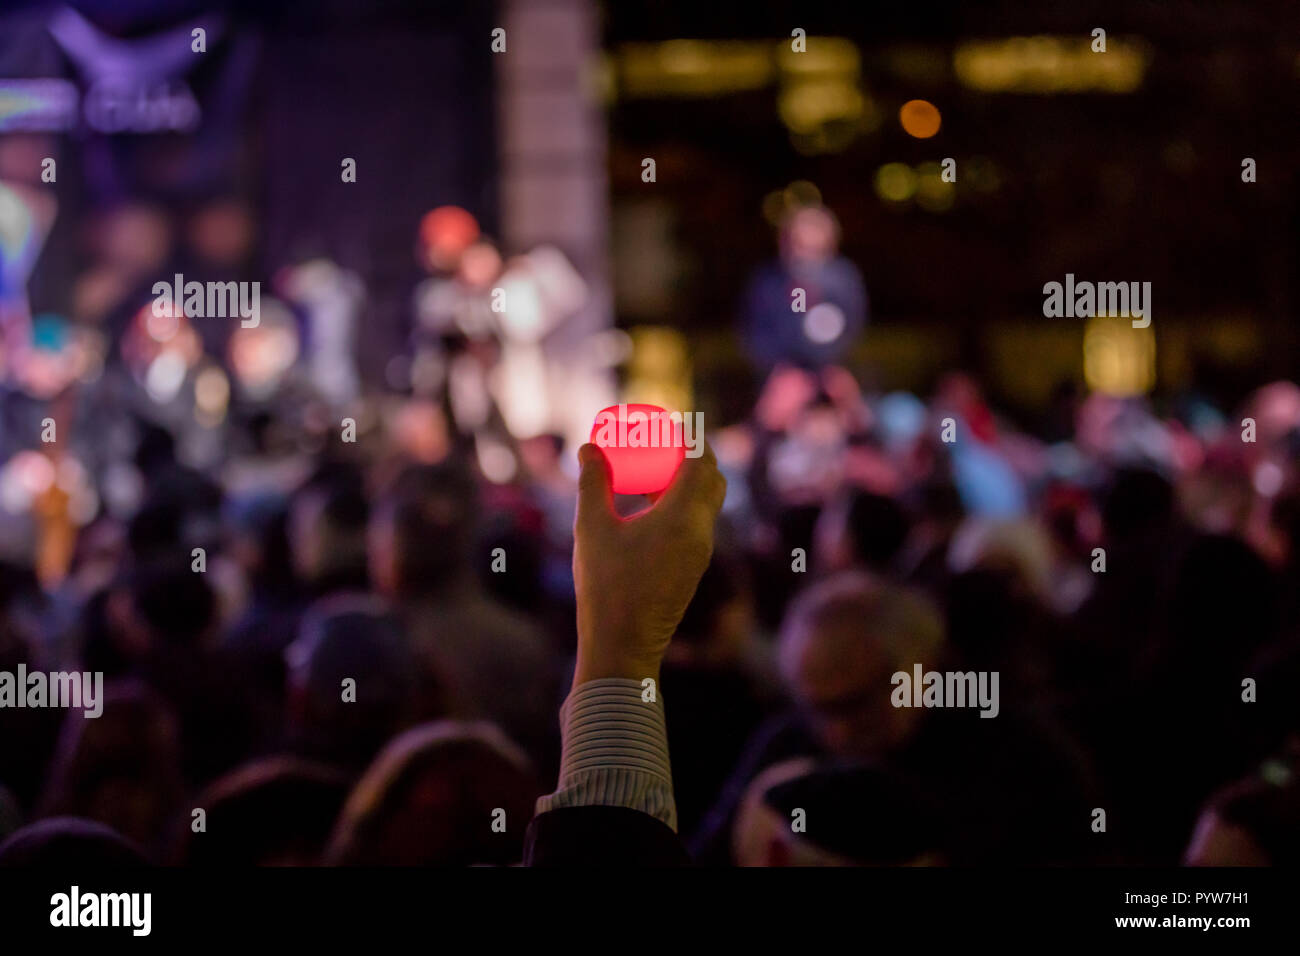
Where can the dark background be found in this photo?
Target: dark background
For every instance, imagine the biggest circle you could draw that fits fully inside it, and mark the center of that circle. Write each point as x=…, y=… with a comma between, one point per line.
x=1140, y=186
x=1144, y=185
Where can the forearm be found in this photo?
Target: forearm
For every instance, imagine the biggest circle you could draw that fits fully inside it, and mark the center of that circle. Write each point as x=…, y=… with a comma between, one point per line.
x=615, y=750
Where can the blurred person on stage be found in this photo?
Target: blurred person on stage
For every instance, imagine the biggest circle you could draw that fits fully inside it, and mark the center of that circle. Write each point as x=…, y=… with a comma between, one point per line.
x=809, y=306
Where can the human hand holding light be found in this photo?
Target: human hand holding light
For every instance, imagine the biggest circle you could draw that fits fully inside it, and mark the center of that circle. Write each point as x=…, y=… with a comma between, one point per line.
x=634, y=576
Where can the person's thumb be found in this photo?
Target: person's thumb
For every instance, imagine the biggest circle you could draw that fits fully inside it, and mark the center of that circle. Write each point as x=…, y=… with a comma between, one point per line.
x=595, y=488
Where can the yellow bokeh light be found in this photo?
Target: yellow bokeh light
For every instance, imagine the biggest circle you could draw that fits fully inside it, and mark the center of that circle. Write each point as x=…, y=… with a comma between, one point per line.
x=920, y=118
x=932, y=193
x=1050, y=64
x=1118, y=359
x=693, y=67
x=802, y=193
x=659, y=371
x=823, y=56
x=895, y=182
x=809, y=104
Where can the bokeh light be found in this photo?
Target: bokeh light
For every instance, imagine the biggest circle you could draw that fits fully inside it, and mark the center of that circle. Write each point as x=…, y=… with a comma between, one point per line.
x=932, y=193
x=446, y=232
x=895, y=182
x=920, y=118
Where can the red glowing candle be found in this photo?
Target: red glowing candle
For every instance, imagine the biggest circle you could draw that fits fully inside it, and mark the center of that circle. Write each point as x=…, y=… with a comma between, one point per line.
x=643, y=445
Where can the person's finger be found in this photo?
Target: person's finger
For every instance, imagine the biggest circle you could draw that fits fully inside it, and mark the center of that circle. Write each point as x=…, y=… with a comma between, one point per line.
x=697, y=478
x=595, y=487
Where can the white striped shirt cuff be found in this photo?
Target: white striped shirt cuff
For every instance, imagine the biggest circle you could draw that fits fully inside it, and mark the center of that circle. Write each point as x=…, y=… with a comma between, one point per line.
x=615, y=751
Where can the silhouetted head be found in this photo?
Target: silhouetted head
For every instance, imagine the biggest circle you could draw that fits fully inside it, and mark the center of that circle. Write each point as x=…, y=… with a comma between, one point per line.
x=277, y=811
x=719, y=620
x=1252, y=823
x=865, y=530
x=442, y=794
x=67, y=843
x=1136, y=502
x=171, y=604
x=841, y=642
x=352, y=678
x=809, y=234
x=327, y=530
x=422, y=536
x=121, y=768
x=802, y=814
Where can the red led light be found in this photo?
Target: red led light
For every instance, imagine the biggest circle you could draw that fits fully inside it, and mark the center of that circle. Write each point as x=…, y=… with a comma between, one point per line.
x=643, y=446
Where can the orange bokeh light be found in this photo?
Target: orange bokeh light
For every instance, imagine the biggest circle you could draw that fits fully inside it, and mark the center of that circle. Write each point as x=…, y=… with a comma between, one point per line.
x=446, y=232
x=920, y=118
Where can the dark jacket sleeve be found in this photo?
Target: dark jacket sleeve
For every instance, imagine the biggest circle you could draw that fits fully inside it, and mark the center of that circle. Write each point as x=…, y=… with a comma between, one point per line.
x=601, y=836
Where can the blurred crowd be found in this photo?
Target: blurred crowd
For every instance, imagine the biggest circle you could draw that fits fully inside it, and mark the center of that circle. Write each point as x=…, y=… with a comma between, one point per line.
x=352, y=648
